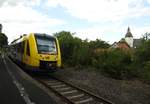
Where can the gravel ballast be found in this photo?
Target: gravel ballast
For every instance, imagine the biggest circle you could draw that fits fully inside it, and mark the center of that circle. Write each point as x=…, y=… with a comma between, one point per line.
x=117, y=91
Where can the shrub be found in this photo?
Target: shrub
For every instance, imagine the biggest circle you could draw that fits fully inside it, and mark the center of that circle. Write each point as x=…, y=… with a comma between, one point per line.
x=145, y=72
x=142, y=60
x=117, y=64
x=142, y=53
x=81, y=56
x=99, y=59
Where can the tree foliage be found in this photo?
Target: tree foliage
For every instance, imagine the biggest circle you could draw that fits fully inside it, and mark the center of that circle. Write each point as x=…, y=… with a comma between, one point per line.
x=146, y=36
x=75, y=51
x=143, y=52
x=65, y=40
x=142, y=60
x=115, y=63
x=98, y=44
x=3, y=40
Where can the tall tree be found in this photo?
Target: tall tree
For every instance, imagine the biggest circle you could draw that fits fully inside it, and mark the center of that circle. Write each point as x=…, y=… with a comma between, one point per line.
x=98, y=44
x=66, y=41
x=3, y=40
x=0, y=28
x=146, y=36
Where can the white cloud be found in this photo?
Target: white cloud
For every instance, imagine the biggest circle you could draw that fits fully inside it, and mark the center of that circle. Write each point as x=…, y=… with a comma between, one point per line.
x=139, y=31
x=97, y=11
x=21, y=19
x=22, y=14
x=16, y=2
x=103, y=32
x=148, y=1
x=18, y=17
x=110, y=34
x=102, y=10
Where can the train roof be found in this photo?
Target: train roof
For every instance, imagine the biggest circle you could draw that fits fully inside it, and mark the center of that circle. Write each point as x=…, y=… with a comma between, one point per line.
x=20, y=39
x=24, y=36
x=43, y=35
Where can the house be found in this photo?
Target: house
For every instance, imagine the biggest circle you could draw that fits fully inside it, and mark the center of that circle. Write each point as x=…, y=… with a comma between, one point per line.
x=127, y=42
x=122, y=44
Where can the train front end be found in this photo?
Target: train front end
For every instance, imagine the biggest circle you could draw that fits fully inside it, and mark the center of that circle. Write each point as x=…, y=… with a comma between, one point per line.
x=46, y=53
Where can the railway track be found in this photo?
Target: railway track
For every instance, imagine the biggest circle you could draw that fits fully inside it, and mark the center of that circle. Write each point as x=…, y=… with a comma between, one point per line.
x=71, y=94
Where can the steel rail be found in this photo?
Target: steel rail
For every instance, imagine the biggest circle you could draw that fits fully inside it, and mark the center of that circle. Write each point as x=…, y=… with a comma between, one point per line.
x=56, y=87
x=85, y=91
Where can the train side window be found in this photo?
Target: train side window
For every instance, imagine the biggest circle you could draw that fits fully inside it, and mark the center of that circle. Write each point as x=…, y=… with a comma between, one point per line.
x=28, y=49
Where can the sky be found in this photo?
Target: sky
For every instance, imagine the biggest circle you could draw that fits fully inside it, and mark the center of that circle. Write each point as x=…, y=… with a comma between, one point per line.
x=107, y=20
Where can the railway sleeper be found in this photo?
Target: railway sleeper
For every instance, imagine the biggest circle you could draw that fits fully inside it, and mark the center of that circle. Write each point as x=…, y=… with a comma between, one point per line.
x=54, y=83
x=63, y=89
x=68, y=92
x=49, y=81
x=58, y=86
x=75, y=96
x=84, y=100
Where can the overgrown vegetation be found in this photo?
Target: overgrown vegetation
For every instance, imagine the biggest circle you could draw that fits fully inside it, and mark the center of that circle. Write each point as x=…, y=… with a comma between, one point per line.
x=116, y=63
x=3, y=40
x=142, y=60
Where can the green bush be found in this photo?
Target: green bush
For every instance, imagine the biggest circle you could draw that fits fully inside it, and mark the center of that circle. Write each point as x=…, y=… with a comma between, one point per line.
x=145, y=72
x=81, y=56
x=67, y=45
x=3, y=40
x=117, y=64
x=142, y=53
x=99, y=59
x=142, y=60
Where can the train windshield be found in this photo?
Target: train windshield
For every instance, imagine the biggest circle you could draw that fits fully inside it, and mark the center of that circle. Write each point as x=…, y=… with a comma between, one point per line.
x=46, y=45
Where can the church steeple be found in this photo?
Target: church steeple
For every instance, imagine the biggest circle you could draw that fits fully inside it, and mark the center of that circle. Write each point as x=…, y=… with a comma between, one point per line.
x=128, y=34
x=129, y=37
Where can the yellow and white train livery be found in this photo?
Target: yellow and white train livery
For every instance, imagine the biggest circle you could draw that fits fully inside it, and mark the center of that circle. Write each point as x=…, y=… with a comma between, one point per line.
x=36, y=51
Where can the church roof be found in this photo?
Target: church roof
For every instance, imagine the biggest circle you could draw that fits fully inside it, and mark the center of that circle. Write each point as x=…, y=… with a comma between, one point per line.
x=128, y=34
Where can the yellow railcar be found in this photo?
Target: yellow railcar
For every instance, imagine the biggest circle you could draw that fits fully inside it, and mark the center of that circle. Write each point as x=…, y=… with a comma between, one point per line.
x=37, y=52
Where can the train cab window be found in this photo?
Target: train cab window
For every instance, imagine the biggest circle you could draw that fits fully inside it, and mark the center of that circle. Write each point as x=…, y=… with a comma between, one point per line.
x=46, y=44
x=28, y=49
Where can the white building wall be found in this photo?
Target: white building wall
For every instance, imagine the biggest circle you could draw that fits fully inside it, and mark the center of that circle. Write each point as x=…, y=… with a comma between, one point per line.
x=129, y=40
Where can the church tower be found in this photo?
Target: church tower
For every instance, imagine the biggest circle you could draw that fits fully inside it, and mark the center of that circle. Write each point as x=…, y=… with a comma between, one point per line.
x=129, y=37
